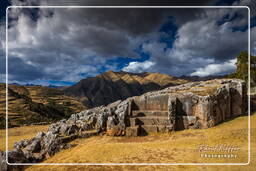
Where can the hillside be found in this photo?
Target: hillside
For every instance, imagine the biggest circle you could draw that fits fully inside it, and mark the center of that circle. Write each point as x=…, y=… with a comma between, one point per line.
x=160, y=148
x=33, y=104
x=188, y=106
x=152, y=148
x=111, y=86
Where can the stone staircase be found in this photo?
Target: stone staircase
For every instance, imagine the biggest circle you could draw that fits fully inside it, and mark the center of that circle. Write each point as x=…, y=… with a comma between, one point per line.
x=143, y=122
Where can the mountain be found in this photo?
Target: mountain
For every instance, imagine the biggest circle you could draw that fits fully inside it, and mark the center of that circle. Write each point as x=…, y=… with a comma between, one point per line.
x=33, y=104
x=111, y=86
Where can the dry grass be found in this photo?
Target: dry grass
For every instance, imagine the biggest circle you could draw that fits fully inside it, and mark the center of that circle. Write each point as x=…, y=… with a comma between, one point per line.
x=19, y=133
x=178, y=147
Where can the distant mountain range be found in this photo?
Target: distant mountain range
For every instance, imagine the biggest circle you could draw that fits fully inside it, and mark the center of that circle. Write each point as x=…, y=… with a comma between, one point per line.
x=111, y=86
x=34, y=103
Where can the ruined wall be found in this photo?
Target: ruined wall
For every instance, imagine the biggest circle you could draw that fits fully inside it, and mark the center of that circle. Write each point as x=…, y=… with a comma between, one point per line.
x=154, y=102
x=206, y=111
x=238, y=98
x=192, y=105
x=195, y=105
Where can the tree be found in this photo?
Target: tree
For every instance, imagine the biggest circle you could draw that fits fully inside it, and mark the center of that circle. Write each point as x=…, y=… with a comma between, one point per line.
x=242, y=68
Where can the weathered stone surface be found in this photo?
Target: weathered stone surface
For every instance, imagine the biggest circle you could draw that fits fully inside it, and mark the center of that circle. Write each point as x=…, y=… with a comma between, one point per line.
x=16, y=156
x=190, y=122
x=133, y=131
x=111, y=122
x=116, y=130
x=172, y=109
x=122, y=111
x=54, y=128
x=20, y=144
x=102, y=119
x=193, y=105
x=68, y=129
x=34, y=147
x=3, y=164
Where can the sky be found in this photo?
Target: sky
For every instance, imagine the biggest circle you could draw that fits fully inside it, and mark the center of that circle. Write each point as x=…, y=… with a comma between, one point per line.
x=62, y=46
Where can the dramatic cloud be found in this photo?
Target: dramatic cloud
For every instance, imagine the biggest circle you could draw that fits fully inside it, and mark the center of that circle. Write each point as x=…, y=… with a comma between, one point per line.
x=137, y=67
x=117, y=2
x=70, y=44
x=62, y=45
x=203, y=37
x=210, y=69
x=201, y=42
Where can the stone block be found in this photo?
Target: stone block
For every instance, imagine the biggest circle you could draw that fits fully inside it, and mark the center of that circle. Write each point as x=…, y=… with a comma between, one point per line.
x=133, y=131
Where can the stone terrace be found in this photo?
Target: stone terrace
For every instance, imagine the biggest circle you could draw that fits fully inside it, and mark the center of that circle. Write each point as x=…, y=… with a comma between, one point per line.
x=192, y=105
x=195, y=105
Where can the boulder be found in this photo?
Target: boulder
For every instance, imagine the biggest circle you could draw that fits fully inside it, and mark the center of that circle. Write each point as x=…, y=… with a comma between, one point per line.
x=102, y=119
x=34, y=146
x=132, y=131
x=54, y=128
x=122, y=112
x=116, y=130
x=40, y=135
x=72, y=129
x=68, y=129
x=111, y=122
x=17, y=156
x=63, y=129
x=21, y=144
x=3, y=164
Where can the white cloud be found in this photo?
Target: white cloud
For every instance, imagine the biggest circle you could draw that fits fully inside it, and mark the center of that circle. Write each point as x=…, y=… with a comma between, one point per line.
x=215, y=69
x=199, y=43
x=203, y=37
x=138, y=67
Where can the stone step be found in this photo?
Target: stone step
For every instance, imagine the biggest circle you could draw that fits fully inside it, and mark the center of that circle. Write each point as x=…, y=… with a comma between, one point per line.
x=136, y=113
x=133, y=131
x=149, y=120
x=146, y=129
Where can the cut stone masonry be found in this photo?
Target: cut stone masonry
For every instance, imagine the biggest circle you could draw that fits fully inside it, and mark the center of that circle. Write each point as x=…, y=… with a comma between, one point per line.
x=193, y=105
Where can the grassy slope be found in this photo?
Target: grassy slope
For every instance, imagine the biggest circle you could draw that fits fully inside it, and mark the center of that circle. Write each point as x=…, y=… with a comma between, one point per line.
x=179, y=147
x=19, y=133
x=20, y=112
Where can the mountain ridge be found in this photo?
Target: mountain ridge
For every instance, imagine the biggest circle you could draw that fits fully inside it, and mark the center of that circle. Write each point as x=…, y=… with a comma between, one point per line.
x=111, y=86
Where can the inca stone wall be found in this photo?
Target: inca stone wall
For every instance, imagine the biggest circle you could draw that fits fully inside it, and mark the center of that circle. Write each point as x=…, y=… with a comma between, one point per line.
x=193, y=105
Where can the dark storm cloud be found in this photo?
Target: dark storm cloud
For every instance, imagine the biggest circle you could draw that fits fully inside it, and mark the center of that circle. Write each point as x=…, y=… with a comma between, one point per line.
x=74, y=41
x=134, y=21
x=22, y=71
x=63, y=44
x=119, y=2
x=201, y=46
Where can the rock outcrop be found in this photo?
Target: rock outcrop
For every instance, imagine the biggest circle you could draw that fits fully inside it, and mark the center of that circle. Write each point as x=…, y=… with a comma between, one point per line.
x=193, y=105
x=189, y=106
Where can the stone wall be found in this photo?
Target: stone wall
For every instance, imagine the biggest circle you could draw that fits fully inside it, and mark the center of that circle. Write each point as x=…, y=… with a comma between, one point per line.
x=154, y=102
x=193, y=105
